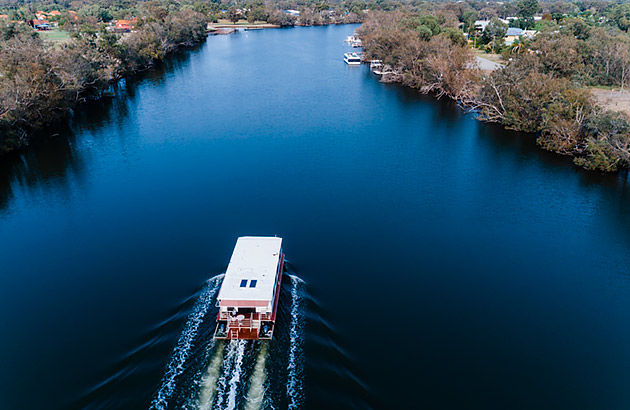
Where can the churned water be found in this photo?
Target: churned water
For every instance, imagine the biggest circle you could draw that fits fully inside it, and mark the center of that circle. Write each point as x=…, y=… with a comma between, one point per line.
x=446, y=264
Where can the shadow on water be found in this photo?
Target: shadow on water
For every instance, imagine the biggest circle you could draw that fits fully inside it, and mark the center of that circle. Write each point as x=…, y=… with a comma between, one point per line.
x=52, y=156
x=518, y=147
x=614, y=188
x=50, y=160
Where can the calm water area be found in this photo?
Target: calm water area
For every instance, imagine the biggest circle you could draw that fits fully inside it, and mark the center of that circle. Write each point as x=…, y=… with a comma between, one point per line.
x=436, y=262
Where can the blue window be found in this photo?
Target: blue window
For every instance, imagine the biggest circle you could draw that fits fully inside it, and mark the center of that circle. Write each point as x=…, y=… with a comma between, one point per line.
x=244, y=283
x=252, y=283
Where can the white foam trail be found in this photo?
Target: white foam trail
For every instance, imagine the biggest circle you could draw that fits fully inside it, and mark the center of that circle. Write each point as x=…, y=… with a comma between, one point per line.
x=294, y=387
x=228, y=363
x=210, y=379
x=256, y=392
x=236, y=375
x=182, y=350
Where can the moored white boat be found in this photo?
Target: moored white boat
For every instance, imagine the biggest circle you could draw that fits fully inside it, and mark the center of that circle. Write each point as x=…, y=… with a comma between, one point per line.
x=352, y=59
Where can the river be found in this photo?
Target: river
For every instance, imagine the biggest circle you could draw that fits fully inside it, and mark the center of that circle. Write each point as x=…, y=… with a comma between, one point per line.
x=437, y=262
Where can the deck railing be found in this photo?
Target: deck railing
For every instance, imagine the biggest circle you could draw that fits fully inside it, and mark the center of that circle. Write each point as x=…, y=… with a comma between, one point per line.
x=248, y=316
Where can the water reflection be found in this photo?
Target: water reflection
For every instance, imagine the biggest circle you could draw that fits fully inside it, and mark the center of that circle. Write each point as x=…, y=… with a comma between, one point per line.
x=52, y=160
x=53, y=156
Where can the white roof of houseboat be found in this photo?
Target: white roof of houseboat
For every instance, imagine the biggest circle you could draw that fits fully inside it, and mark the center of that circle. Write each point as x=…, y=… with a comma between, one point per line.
x=254, y=260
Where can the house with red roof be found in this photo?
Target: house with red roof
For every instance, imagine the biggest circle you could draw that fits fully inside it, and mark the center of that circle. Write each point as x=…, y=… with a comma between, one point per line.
x=38, y=24
x=125, y=25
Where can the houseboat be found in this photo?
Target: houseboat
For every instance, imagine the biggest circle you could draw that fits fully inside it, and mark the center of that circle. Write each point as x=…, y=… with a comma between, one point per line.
x=249, y=294
x=352, y=59
x=376, y=64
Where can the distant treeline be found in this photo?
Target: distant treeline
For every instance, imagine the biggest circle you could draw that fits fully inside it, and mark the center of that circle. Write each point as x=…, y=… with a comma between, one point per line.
x=544, y=87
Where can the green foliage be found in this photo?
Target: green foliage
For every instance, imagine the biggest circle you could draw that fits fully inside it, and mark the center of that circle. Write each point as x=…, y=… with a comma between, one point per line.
x=608, y=142
x=430, y=22
x=621, y=16
x=233, y=14
x=455, y=36
x=468, y=18
x=562, y=128
x=578, y=28
x=526, y=11
x=425, y=32
x=97, y=11
x=494, y=34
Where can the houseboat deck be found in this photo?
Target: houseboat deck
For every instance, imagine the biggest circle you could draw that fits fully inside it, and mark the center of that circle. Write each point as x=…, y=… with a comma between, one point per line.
x=249, y=295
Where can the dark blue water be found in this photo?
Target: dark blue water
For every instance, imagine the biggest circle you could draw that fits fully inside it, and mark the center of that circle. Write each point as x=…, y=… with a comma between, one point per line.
x=448, y=264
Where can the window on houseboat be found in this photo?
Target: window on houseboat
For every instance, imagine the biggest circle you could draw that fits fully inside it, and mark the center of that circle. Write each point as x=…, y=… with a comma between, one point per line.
x=252, y=283
x=244, y=283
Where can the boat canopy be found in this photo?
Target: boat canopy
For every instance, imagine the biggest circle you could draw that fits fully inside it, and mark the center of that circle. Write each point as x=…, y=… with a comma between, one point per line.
x=251, y=275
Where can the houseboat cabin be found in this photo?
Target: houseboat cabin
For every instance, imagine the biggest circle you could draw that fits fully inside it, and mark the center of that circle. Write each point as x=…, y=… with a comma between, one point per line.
x=248, y=298
x=352, y=59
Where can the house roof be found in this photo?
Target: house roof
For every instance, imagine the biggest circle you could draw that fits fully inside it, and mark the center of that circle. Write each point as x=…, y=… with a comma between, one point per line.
x=513, y=31
x=4, y=16
x=251, y=274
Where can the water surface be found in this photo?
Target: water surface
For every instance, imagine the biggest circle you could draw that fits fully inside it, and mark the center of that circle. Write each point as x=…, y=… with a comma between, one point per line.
x=447, y=264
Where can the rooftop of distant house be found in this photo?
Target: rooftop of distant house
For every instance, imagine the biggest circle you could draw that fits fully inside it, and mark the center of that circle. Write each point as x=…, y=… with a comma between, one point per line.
x=514, y=31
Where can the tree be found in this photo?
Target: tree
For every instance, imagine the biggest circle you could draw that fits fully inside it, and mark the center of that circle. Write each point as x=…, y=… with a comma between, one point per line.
x=621, y=16
x=526, y=11
x=608, y=142
x=494, y=34
x=234, y=14
x=488, y=13
x=622, y=47
x=469, y=18
x=563, y=122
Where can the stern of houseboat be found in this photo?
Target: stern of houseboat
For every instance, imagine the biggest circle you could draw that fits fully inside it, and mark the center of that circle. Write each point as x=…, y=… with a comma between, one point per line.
x=249, y=295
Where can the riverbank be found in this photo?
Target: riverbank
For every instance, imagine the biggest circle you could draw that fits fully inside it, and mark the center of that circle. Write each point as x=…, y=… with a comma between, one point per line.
x=41, y=83
x=212, y=27
x=242, y=24
x=535, y=92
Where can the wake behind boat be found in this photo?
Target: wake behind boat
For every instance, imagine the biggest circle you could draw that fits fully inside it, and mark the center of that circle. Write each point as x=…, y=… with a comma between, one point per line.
x=249, y=294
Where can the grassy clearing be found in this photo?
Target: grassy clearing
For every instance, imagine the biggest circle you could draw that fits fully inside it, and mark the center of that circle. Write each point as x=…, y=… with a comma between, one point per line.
x=55, y=37
x=488, y=56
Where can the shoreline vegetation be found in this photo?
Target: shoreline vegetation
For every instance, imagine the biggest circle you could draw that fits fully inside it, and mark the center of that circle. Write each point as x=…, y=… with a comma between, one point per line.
x=545, y=84
x=547, y=80
x=53, y=56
